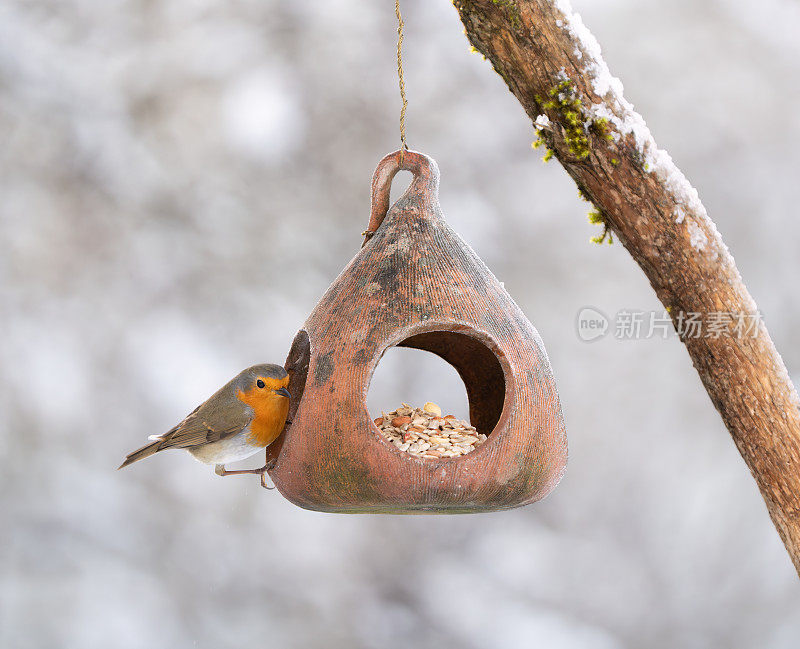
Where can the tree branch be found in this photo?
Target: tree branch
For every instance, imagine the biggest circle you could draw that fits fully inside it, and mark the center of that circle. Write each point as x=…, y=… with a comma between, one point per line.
x=554, y=67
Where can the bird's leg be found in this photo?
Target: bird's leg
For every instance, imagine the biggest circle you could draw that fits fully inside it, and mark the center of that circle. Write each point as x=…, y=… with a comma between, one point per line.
x=220, y=470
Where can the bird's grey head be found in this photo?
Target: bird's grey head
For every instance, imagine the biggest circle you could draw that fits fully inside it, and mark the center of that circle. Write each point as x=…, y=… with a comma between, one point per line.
x=260, y=376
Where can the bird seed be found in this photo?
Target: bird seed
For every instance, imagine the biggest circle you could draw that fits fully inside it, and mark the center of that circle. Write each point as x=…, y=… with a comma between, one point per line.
x=423, y=432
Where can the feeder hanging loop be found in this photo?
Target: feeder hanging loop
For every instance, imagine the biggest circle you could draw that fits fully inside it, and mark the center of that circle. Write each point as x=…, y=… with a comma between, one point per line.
x=425, y=183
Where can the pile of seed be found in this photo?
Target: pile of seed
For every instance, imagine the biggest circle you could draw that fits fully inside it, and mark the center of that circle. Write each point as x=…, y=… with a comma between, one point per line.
x=425, y=433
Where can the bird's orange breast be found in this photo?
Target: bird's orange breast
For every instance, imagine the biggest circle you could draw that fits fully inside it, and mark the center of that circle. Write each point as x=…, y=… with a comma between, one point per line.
x=270, y=415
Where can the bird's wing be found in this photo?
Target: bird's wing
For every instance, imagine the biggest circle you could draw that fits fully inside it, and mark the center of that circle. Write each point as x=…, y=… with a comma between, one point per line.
x=209, y=423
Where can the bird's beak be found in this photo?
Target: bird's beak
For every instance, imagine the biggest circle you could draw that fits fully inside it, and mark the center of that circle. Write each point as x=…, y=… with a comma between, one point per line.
x=283, y=392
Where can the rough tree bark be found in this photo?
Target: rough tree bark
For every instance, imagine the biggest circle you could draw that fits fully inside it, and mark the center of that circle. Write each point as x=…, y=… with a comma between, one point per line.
x=554, y=67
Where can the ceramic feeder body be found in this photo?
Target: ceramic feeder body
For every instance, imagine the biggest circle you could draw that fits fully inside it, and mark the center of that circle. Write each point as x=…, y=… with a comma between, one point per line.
x=416, y=283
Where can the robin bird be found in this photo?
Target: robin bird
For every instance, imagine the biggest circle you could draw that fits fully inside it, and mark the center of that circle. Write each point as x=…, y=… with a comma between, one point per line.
x=243, y=417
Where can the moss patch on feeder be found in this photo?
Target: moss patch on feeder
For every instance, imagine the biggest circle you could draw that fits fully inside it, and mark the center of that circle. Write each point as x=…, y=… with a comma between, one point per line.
x=351, y=479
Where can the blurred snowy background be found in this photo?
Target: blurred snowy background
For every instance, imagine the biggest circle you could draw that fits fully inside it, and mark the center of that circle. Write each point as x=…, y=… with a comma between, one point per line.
x=180, y=181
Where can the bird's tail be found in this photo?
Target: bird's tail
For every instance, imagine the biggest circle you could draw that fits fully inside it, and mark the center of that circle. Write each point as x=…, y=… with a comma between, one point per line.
x=145, y=451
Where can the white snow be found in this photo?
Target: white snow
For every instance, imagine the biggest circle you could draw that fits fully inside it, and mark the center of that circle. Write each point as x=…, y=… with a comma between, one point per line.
x=620, y=112
x=542, y=121
x=697, y=237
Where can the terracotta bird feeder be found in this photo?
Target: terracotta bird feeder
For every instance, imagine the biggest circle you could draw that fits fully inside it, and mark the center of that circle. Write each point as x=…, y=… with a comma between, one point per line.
x=416, y=283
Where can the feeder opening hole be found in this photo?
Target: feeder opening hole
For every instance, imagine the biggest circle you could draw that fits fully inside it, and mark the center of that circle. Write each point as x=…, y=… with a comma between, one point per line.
x=426, y=417
x=415, y=377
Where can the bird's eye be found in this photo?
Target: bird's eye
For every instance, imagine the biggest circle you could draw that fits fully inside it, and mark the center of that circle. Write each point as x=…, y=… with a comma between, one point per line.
x=260, y=383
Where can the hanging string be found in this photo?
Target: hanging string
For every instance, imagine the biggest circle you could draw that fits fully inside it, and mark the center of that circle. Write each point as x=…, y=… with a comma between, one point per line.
x=367, y=234
x=404, y=144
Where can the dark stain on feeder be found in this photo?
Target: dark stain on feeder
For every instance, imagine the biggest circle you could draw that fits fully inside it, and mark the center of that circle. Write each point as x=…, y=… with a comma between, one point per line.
x=362, y=357
x=419, y=227
x=388, y=276
x=415, y=283
x=324, y=368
